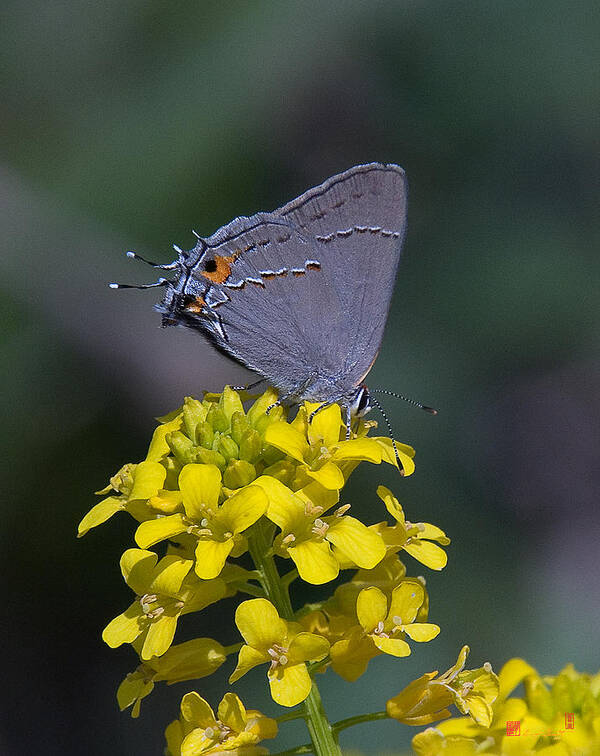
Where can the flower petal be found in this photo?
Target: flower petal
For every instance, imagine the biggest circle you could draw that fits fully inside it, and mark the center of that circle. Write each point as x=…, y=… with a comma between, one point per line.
x=153, y=531
x=248, y=658
x=421, y=631
x=243, y=509
x=232, y=712
x=429, y=554
x=356, y=541
x=159, y=447
x=307, y=647
x=125, y=628
x=211, y=556
x=391, y=504
x=513, y=673
x=371, y=608
x=200, y=486
x=285, y=509
x=406, y=453
x=137, y=567
x=197, y=711
x=315, y=562
x=287, y=439
x=391, y=646
x=169, y=574
x=259, y=623
x=160, y=635
x=99, y=513
x=358, y=448
x=407, y=599
x=324, y=428
x=290, y=685
x=328, y=475
x=148, y=478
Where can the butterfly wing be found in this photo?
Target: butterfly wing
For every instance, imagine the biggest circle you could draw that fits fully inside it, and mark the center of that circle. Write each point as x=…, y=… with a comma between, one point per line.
x=301, y=295
x=358, y=221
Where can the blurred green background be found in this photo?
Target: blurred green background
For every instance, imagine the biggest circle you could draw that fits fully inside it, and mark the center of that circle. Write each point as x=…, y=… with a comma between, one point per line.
x=128, y=123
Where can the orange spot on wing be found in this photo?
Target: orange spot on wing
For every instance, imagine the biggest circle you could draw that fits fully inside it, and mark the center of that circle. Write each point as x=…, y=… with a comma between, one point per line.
x=223, y=269
x=196, y=305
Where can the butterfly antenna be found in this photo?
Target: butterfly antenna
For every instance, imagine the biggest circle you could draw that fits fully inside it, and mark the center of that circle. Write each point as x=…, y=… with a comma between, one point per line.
x=390, y=431
x=431, y=410
x=160, y=282
x=168, y=266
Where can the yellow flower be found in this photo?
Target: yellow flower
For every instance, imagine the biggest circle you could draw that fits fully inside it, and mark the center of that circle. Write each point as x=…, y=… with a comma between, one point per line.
x=307, y=536
x=217, y=528
x=186, y=661
x=321, y=449
x=284, y=645
x=135, y=484
x=164, y=592
x=235, y=730
x=427, y=699
x=381, y=629
x=414, y=538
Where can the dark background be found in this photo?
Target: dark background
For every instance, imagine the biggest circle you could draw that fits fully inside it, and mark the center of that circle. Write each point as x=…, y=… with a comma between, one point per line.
x=126, y=123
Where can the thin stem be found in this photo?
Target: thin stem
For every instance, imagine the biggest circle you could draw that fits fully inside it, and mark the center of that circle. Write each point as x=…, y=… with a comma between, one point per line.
x=324, y=740
x=359, y=719
x=298, y=749
x=298, y=713
x=252, y=590
x=227, y=650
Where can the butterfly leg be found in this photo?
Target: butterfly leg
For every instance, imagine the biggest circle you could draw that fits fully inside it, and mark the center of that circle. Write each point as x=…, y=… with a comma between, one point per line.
x=348, y=421
x=249, y=386
x=316, y=411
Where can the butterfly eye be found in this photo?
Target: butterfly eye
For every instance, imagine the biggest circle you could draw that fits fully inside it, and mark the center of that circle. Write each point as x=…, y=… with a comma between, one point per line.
x=210, y=266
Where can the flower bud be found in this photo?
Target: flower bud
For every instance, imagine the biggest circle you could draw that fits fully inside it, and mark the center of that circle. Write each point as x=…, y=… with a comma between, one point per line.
x=250, y=445
x=204, y=435
x=209, y=457
x=181, y=446
x=217, y=418
x=238, y=473
x=228, y=448
x=539, y=697
x=193, y=413
x=239, y=425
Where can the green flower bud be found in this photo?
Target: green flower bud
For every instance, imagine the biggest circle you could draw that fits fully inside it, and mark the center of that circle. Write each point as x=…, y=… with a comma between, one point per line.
x=217, y=418
x=250, y=445
x=193, y=413
x=239, y=424
x=181, y=446
x=204, y=435
x=230, y=403
x=238, y=473
x=228, y=448
x=209, y=457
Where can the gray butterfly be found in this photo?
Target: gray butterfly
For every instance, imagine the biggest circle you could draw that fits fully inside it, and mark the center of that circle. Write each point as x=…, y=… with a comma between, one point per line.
x=301, y=295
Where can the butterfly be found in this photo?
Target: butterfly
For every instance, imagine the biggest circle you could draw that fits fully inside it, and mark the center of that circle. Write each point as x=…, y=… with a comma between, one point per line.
x=300, y=295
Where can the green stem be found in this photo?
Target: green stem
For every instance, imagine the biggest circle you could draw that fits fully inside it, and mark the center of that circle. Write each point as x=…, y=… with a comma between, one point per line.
x=299, y=713
x=252, y=590
x=359, y=719
x=324, y=740
x=321, y=732
x=227, y=650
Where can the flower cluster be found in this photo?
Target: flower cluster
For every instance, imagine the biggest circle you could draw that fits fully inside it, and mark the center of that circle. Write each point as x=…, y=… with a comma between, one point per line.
x=226, y=497
x=556, y=716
